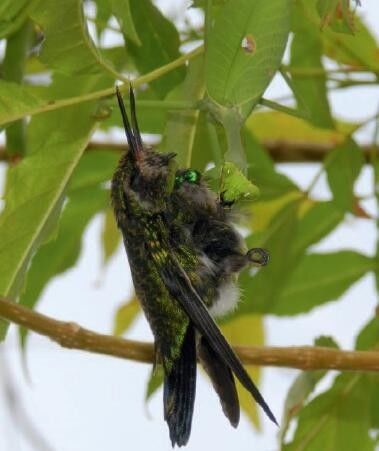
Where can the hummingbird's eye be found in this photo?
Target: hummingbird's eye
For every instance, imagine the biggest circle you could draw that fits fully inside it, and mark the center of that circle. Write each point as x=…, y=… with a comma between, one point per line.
x=192, y=176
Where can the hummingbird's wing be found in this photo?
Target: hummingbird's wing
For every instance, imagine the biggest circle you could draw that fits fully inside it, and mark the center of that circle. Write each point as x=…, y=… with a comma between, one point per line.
x=180, y=287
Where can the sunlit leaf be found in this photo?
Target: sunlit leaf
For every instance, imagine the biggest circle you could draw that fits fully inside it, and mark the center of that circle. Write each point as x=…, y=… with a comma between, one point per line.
x=278, y=126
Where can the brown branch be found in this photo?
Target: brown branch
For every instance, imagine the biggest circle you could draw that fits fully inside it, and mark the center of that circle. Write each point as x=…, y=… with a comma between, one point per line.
x=281, y=151
x=71, y=335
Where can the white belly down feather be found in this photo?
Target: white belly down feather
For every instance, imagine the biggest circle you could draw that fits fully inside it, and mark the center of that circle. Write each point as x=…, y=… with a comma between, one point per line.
x=227, y=299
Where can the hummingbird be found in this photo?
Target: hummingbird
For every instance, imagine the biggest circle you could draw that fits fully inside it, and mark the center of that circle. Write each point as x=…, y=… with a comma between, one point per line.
x=184, y=255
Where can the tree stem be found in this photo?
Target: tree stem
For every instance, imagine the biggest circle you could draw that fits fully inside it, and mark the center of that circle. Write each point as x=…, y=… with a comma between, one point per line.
x=71, y=335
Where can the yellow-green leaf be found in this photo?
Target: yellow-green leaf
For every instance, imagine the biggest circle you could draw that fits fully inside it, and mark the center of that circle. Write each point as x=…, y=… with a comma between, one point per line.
x=278, y=126
x=125, y=316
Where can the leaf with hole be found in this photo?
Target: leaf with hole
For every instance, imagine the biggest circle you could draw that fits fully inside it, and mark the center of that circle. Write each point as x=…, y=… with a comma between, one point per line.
x=245, y=49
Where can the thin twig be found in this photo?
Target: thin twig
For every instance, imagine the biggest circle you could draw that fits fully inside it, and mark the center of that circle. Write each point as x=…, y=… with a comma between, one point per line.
x=71, y=335
x=103, y=93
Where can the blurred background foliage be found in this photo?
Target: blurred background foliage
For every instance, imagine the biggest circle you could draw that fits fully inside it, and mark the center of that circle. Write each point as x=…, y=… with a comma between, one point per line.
x=59, y=64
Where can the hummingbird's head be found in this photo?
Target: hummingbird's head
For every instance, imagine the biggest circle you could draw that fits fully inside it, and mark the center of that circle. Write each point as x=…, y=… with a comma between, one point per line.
x=150, y=173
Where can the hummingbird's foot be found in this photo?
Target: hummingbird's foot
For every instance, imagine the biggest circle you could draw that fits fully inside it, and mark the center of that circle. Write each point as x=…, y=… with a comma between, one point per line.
x=258, y=256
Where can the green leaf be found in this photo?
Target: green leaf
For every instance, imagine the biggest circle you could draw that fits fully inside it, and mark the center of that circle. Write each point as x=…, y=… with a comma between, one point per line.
x=110, y=235
x=373, y=383
x=36, y=188
x=263, y=289
x=343, y=166
x=245, y=48
x=326, y=341
x=337, y=14
x=319, y=220
x=155, y=381
x=306, y=53
x=62, y=252
x=121, y=10
x=16, y=100
x=68, y=47
x=206, y=147
x=94, y=168
x=159, y=44
x=326, y=10
x=338, y=419
x=318, y=279
x=13, y=14
x=180, y=131
x=103, y=14
x=13, y=68
x=86, y=198
x=246, y=330
x=125, y=316
x=368, y=337
x=301, y=388
x=360, y=49
x=293, y=283
x=261, y=170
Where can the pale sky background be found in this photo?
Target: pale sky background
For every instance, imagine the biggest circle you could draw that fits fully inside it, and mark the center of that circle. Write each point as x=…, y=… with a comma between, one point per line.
x=83, y=402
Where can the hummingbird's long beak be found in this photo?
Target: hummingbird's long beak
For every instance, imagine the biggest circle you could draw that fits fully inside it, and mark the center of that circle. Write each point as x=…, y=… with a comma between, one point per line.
x=132, y=132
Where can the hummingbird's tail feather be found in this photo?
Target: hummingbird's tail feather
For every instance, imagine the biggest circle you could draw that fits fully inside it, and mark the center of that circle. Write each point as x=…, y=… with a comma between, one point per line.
x=180, y=287
x=222, y=381
x=179, y=391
